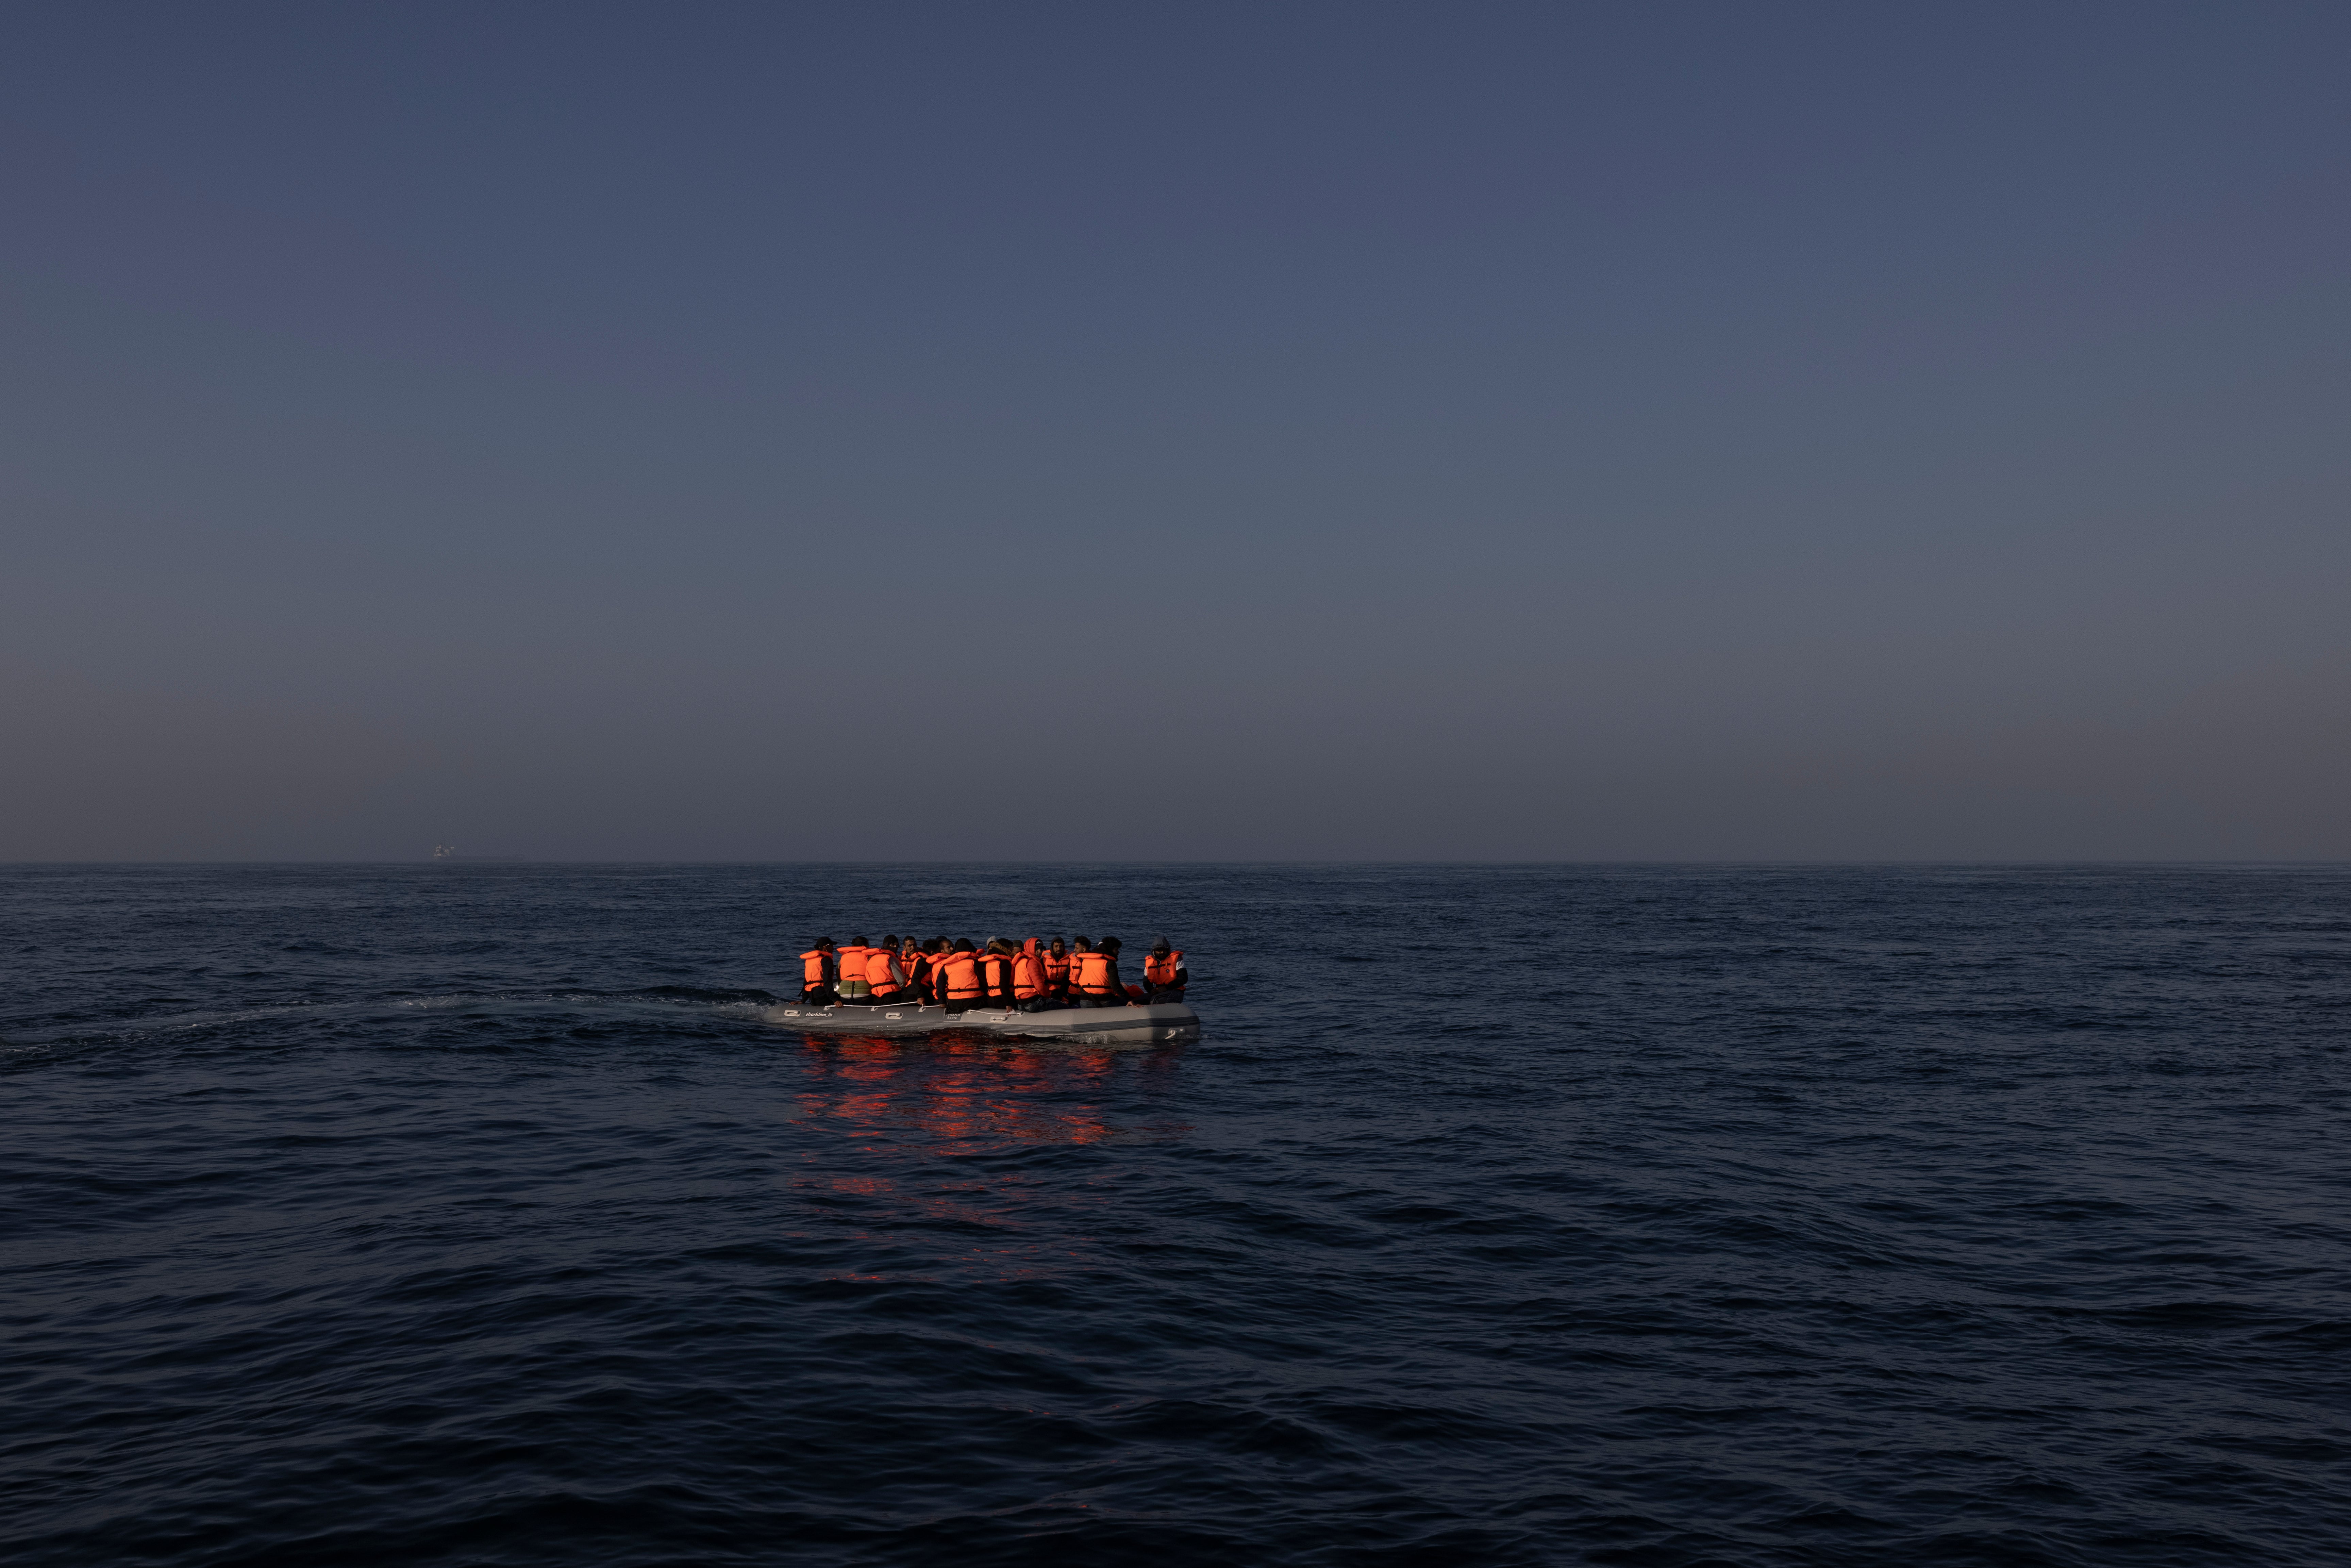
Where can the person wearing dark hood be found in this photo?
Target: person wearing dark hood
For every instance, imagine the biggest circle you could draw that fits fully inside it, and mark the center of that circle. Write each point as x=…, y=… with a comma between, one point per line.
x=1164, y=975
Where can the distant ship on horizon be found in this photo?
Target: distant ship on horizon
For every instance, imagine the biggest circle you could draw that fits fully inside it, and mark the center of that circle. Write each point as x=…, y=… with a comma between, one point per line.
x=445, y=852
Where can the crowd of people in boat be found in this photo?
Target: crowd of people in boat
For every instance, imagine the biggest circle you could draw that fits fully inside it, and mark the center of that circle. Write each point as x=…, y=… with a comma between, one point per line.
x=1036, y=976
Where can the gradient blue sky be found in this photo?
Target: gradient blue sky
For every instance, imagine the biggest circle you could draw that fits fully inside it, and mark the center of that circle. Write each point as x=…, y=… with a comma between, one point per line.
x=1119, y=432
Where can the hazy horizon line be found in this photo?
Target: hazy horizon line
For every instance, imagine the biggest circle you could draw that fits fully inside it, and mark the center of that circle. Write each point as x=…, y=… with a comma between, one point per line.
x=486, y=861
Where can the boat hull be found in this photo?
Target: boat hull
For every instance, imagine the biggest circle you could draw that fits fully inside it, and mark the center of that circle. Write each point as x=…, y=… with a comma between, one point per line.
x=1081, y=1026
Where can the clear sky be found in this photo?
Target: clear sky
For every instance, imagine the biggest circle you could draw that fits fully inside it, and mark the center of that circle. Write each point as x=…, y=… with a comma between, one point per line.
x=1106, y=431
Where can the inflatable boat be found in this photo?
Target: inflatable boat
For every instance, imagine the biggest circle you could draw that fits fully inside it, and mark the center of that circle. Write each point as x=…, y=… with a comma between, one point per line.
x=1137, y=1025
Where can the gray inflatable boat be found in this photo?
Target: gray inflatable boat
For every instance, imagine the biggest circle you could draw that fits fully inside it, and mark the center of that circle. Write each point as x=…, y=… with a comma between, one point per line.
x=1137, y=1025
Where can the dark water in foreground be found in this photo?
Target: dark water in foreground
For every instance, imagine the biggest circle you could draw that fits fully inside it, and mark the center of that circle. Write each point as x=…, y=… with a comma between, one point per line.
x=1501, y=1216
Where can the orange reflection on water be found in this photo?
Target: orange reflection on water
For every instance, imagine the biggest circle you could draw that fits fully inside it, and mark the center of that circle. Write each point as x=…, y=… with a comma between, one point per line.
x=959, y=1089
x=961, y=1095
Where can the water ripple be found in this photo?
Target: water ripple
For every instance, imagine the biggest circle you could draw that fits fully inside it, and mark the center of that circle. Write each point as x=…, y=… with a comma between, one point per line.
x=1505, y=1214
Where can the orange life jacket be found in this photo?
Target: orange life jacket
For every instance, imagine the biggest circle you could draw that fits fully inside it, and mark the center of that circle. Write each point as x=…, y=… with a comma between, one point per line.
x=1092, y=972
x=1160, y=968
x=1027, y=977
x=881, y=971
x=997, y=968
x=852, y=962
x=1057, y=968
x=812, y=963
x=961, y=971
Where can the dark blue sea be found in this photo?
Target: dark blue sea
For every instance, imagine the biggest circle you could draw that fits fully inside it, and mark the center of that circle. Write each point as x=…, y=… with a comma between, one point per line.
x=468, y=1214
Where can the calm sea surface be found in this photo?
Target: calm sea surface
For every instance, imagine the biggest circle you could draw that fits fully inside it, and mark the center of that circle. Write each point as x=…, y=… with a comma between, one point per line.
x=1527, y=1215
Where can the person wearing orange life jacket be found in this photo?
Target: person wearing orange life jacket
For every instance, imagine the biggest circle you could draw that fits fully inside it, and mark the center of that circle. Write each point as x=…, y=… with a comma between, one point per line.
x=818, y=972
x=1057, y=968
x=1094, y=977
x=1079, y=947
x=854, y=988
x=1110, y=945
x=1030, y=992
x=917, y=966
x=1164, y=975
x=995, y=971
x=882, y=973
x=937, y=950
x=959, y=982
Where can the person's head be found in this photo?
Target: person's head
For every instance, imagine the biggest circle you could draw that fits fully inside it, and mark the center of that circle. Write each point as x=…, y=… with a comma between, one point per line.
x=999, y=946
x=1162, y=946
x=1079, y=945
x=890, y=944
x=826, y=945
x=1110, y=944
x=859, y=942
x=937, y=944
x=1059, y=946
x=963, y=944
